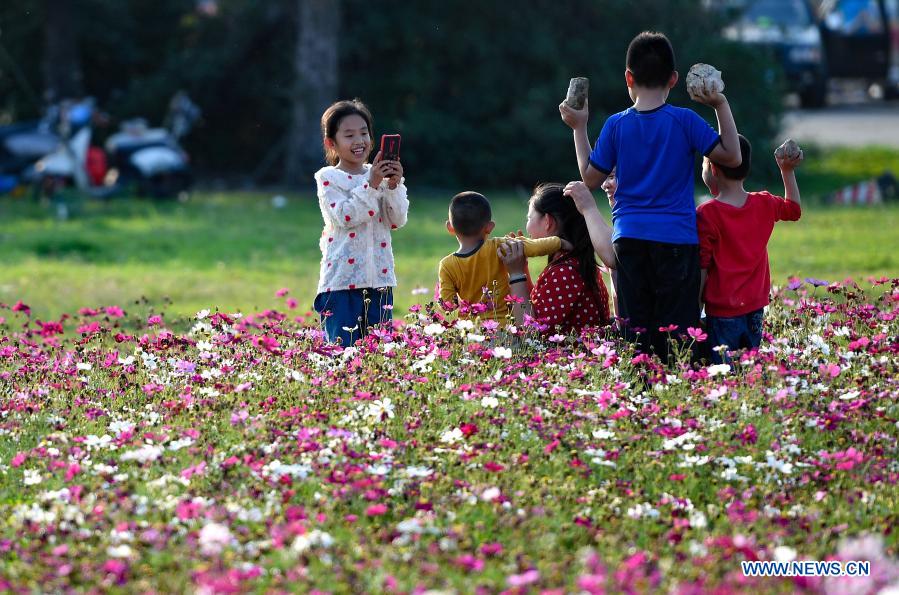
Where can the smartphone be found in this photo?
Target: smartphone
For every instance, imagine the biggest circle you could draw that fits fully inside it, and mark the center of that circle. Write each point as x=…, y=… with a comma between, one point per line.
x=390, y=147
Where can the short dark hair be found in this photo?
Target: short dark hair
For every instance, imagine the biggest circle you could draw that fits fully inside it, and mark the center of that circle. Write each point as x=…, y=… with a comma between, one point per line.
x=740, y=172
x=335, y=113
x=650, y=58
x=469, y=212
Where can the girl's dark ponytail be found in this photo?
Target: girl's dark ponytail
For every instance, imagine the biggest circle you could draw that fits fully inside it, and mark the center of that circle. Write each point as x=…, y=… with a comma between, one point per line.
x=548, y=199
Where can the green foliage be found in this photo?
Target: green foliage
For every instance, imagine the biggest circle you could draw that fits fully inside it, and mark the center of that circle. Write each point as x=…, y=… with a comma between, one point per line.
x=472, y=87
x=475, y=91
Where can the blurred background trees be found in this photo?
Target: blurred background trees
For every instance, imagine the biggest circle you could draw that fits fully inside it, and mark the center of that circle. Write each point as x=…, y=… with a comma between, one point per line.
x=472, y=86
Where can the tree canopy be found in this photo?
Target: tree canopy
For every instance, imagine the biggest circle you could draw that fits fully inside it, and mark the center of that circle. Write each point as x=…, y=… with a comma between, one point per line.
x=473, y=87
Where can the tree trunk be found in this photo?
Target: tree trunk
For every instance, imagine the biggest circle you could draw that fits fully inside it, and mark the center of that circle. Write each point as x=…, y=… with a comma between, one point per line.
x=315, y=87
x=62, y=67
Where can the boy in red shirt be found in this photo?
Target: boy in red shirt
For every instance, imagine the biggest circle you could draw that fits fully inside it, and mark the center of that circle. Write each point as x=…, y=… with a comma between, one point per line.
x=734, y=228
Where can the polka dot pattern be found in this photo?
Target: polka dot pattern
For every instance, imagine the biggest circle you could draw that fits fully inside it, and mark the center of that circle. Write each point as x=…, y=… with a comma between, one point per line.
x=560, y=298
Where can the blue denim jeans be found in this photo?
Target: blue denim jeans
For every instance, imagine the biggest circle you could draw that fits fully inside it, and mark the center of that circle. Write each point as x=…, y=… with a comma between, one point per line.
x=346, y=309
x=738, y=332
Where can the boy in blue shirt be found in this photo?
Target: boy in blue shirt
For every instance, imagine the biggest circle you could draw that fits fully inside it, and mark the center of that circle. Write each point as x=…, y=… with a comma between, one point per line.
x=652, y=147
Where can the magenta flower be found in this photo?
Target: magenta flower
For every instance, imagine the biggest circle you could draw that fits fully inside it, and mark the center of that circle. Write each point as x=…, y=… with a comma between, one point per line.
x=697, y=334
x=525, y=578
x=114, y=311
x=376, y=510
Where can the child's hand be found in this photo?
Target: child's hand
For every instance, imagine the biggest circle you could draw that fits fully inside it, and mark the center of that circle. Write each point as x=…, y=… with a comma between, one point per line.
x=581, y=195
x=787, y=164
x=710, y=97
x=394, y=173
x=788, y=155
x=379, y=171
x=512, y=255
x=575, y=118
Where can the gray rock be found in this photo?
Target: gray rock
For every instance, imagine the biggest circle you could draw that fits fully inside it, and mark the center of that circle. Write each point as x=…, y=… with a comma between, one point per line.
x=577, y=92
x=704, y=77
x=788, y=150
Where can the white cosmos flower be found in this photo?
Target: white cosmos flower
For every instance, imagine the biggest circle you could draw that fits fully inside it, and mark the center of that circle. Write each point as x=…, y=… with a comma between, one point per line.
x=418, y=471
x=718, y=369
x=452, y=436
x=464, y=324
x=119, y=551
x=502, y=352
x=313, y=538
x=214, y=537
x=784, y=553
x=379, y=408
x=202, y=314
x=32, y=477
x=434, y=329
x=490, y=494
x=490, y=402
x=119, y=426
x=147, y=452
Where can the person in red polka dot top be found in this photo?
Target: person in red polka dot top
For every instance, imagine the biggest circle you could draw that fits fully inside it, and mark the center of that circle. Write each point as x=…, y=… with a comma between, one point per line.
x=569, y=294
x=361, y=204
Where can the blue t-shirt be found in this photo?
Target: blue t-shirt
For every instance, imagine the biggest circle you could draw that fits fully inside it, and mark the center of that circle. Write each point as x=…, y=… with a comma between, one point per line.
x=653, y=153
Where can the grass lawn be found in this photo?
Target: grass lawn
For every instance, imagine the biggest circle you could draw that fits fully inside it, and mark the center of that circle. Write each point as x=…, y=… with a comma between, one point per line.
x=234, y=250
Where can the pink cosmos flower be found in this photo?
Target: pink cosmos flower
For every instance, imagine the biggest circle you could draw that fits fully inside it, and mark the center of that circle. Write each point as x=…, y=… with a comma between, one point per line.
x=89, y=328
x=523, y=579
x=154, y=320
x=697, y=334
x=114, y=311
x=492, y=549
x=831, y=370
x=282, y=292
x=376, y=510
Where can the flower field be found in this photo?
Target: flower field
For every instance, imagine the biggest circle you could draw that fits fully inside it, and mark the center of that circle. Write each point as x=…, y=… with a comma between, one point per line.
x=444, y=455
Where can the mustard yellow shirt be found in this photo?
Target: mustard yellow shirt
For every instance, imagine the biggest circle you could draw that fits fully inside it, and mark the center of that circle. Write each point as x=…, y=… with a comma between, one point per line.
x=465, y=276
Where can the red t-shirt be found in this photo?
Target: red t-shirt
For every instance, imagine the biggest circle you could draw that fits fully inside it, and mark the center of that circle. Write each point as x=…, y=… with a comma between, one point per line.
x=733, y=246
x=561, y=298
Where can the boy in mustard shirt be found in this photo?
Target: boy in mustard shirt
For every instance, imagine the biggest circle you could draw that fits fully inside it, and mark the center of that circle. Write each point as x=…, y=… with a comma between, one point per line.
x=475, y=275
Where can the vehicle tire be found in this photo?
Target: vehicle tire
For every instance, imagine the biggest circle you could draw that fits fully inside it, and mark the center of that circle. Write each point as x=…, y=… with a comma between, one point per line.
x=167, y=185
x=814, y=96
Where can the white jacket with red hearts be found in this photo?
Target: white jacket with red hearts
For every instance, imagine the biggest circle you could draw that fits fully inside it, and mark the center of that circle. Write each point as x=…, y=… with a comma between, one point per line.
x=355, y=243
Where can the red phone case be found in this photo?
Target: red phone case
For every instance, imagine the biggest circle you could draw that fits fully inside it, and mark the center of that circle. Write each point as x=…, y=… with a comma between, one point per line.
x=390, y=147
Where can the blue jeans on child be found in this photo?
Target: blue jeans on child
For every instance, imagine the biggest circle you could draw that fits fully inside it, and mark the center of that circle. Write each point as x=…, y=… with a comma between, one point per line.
x=738, y=332
x=346, y=309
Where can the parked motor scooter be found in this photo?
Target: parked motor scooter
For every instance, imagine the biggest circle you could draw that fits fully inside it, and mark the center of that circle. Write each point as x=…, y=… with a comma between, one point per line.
x=21, y=146
x=151, y=158
x=68, y=163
